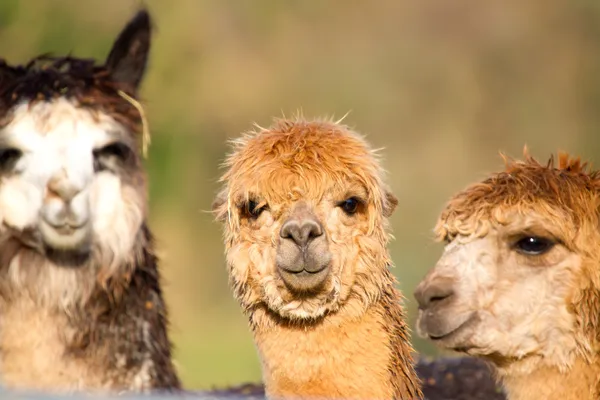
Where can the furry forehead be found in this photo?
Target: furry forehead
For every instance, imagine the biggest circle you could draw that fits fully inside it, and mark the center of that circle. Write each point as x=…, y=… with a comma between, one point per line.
x=568, y=191
x=309, y=156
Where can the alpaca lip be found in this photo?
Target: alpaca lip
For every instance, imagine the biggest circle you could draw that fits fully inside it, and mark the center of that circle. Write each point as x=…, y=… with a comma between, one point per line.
x=304, y=271
x=451, y=334
x=304, y=280
x=64, y=236
x=66, y=229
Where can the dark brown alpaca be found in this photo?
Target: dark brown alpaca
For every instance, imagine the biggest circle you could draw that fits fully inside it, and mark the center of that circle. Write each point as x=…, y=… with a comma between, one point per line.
x=80, y=296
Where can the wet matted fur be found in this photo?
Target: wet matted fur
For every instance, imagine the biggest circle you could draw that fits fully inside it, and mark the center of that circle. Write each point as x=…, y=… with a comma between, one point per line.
x=80, y=299
x=346, y=336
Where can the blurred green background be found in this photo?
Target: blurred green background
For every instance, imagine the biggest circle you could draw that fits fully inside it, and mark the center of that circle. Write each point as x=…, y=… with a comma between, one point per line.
x=442, y=86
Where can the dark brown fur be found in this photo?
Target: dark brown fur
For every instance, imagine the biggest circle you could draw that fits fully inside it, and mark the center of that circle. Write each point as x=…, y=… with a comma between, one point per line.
x=109, y=324
x=464, y=378
x=95, y=86
x=46, y=78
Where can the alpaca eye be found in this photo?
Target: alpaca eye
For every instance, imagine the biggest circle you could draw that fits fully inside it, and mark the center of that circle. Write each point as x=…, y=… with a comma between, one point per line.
x=253, y=210
x=9, y=157
x=350, y=206
x=107, y=155
x=533, y=245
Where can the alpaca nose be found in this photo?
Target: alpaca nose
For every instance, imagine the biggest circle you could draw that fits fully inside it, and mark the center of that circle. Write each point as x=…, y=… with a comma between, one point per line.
x=429, y=294
x=301, y=232
x=60, y=186
x=303, y=256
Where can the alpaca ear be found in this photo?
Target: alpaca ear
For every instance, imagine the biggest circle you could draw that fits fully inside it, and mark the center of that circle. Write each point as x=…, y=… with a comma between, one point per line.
x=219, y=206
x=389, y=203
x=127, y=59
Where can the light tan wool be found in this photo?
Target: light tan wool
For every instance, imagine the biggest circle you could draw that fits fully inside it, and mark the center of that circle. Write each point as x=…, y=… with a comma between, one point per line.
x=518, y=282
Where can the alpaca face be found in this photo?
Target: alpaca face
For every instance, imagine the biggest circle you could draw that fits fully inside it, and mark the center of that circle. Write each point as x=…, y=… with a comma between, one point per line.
x=518, y=279
x=70, y=182
x=72, y=188
x=302, y=257
x=504, y=295
x=304, y=224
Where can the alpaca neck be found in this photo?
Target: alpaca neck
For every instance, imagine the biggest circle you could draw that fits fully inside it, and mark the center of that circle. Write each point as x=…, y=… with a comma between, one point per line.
x=339, y=357
x=116, y=340
x=581, y=382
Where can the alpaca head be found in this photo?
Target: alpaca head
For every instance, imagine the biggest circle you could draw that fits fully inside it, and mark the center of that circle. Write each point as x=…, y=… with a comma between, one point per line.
x=72, y=186
x=305, y=213
x=520, y=274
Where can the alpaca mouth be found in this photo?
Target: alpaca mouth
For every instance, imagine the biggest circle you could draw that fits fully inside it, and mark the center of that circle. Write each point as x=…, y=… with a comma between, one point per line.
x=450, y=333
x=66, y=229
x=65, y=237
x=304, y=280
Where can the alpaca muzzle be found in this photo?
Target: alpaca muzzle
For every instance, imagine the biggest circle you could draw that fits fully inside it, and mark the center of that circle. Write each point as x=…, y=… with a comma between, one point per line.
x=65, y=216
x=303, y=256
x=433, y=298
x=441, y=317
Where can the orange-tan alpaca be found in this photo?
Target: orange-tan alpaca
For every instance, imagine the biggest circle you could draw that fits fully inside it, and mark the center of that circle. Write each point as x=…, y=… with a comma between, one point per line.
x=305, y=212
x=519, y=281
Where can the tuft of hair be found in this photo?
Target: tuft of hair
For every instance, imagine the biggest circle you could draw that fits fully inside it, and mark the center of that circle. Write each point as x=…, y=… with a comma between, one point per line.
x=92, y=86
x=567, y=189
x=318, y=151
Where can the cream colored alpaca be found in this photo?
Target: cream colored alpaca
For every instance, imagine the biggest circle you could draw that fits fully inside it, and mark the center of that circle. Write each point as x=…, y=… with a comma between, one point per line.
x=519, y=281
x=305, y=212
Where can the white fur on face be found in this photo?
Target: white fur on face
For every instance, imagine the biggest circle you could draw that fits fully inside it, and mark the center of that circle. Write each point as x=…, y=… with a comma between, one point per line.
x=53, y=187
x=508, y=304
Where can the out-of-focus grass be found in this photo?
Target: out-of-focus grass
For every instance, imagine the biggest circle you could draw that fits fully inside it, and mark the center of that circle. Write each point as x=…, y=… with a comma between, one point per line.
x=441, y=85
x=221, y=347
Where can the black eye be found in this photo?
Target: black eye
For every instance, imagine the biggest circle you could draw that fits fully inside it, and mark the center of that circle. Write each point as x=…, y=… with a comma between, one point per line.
x=350, y=206
x=252, y=210
x=533, y=245
x=115, y=151
x=9, y=157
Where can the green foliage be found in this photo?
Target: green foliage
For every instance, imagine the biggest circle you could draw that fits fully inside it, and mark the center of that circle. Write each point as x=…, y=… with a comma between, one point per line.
x=9, y=11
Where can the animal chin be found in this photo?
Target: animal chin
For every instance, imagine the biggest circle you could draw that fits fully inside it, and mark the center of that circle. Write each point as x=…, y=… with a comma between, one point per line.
x=305, y=306
x=304, y=310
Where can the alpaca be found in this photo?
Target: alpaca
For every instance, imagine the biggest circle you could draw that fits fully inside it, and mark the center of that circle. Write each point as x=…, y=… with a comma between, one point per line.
x=518, y=283
x=80, y=295
x=305, y=214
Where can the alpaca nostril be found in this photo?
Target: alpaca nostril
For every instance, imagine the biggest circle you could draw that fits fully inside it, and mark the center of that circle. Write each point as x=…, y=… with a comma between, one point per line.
x=428, y=296
x=301, y=232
